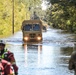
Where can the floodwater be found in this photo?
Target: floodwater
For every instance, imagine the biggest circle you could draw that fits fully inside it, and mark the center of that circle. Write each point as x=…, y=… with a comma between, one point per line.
x=47, y=58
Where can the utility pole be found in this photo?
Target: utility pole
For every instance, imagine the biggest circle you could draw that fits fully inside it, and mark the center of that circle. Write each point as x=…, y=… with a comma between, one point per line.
x=12, y=16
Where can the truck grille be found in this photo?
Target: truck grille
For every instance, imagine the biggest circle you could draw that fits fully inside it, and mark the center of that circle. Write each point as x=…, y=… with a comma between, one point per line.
x=32, y=35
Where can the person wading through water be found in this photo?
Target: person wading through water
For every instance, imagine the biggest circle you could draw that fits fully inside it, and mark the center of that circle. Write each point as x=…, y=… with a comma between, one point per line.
x=8, y=56
x=72, y=60
x=6, y=67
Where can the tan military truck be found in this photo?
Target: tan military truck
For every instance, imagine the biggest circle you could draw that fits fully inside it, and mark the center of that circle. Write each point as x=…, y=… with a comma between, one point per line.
x=32, y=30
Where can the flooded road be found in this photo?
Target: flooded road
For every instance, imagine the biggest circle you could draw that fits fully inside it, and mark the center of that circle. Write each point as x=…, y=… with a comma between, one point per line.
x=47, y=58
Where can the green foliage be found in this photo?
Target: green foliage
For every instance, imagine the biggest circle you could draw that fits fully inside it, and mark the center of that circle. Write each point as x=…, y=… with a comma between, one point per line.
x=62, y=14
x=21, y=12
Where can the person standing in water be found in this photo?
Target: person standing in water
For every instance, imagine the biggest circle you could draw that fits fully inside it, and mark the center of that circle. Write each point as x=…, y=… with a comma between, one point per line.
x=72, y=60
x=8, y=56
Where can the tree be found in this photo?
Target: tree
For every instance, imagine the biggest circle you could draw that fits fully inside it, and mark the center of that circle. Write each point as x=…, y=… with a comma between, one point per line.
x=21, y=12
x=62, y=14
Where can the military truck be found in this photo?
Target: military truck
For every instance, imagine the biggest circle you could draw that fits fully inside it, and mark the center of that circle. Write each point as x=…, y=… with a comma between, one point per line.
x=32, y=30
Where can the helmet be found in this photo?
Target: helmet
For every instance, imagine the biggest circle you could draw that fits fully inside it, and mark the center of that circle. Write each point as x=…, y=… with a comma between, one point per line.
x=2, y=42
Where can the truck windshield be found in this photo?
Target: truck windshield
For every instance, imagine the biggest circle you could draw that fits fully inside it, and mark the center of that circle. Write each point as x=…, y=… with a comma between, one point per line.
x=36, y=27
x=31, y=27
x=27, y=27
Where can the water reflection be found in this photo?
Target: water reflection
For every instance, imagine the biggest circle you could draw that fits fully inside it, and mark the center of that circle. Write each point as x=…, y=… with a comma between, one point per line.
x=29, y=52
x=42, y=59
x=39, y=53
x=25, y=50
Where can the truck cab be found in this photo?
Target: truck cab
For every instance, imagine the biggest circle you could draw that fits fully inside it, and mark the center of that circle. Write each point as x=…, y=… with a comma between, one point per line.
x=32, y=30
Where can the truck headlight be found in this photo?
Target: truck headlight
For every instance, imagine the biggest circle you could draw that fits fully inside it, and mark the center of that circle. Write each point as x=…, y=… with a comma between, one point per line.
x=38, y=38
x=26, y=38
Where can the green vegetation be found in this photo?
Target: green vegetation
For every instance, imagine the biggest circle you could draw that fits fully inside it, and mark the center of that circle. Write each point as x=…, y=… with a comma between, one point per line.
x=62, y=14
x=22, y=10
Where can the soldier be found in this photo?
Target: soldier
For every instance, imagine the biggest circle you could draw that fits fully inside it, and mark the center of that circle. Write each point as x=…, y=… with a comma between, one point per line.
x=6, y=68
x=7, y=55
x=72, y=61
